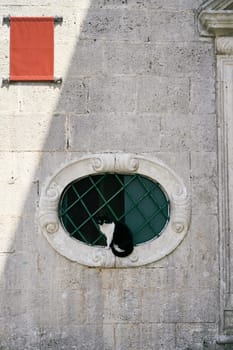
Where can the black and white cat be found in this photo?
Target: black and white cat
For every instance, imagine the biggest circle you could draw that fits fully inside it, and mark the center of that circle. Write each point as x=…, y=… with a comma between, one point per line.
x=119, y=237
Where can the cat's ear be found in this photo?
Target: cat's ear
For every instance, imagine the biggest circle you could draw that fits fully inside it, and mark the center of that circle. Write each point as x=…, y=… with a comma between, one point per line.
x=99, y=220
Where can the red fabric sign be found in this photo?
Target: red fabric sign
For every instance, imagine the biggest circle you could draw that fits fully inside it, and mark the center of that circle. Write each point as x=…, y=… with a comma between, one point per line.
x=31, y=48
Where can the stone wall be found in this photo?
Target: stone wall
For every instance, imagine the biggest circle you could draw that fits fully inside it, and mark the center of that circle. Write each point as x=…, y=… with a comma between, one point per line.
x=136, y=78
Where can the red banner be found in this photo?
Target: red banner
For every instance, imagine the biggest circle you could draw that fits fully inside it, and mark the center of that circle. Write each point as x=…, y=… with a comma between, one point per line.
x=31, y=48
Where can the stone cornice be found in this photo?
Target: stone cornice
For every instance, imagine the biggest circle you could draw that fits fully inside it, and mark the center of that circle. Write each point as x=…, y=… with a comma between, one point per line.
x=216, y=18
x=215, y=5
x=216, y=23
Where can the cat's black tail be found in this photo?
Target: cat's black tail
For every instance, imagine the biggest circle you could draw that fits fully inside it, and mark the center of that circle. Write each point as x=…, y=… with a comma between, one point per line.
x=123, y=254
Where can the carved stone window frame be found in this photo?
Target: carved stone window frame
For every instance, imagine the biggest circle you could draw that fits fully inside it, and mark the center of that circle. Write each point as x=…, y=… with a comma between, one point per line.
x=122, y=163
x=216, y=20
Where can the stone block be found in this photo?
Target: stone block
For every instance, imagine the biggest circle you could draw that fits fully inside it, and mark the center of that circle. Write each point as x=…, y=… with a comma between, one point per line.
x=122, y=305
x=9, y=242
x=36, y=97
x=172, y=26
x=203, y=136
x=204, y=165
x=175, y=132
x=158, y=336
x=116, y=24
x=111, y=4
x=94, y=301
x=9, y=101
x=112, y=94
x=162, y=95
x=186, y=59
x=204, y=184
x=18, y=199
x=176, y=278
x=51, y=267
x=59, y=308
x=86, y=59
x=18, y=271
x=182, y=277
x=32, y=132
x=68, y=31
x=112, y=279
x=200, y=252
x=202, y=96
x=190, y=335
x=18, y=167
x=228, y=320
x=128, y=336
x=126, y=58
x=16, y=307
x=72, y=276
x=183, y=306
x=85, y=337
x=160, y=4
x=188, y=132
x=108, y=132
x=204, y=196
x=4, y=55
x=73, y=96
x=179, y=162
x=14, y=337
x=170, y=4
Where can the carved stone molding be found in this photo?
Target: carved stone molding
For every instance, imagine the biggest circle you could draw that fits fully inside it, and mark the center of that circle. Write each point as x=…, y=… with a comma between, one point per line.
x=225, y=160
x=181, y=210
x=216, y=20
x=224, y=46
x=104, y=163
x=148, y=252
x=126, y=163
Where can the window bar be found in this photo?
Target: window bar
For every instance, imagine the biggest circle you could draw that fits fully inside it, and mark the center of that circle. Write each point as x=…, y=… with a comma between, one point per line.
x=65, y=205
x=100, y=208
x=105, y=202
x=7, y=19
x=87, y=210
x=7, y=81
x=157, y=185
x=76, y=229
x=149, y=219
x=148, y=192
x=98, y=238
x=84, y=194
x=127, y=192
x=135, y=204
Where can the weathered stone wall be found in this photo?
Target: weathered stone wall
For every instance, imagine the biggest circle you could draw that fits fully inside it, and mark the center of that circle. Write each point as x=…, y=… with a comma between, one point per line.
x=136, y=78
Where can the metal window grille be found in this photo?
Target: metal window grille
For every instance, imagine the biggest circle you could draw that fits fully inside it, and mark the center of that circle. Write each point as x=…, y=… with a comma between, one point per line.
x=133, y=199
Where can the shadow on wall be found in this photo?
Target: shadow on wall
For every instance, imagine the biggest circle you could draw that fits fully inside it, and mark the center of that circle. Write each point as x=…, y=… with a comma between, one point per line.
x=46, y=300
x=102, y=105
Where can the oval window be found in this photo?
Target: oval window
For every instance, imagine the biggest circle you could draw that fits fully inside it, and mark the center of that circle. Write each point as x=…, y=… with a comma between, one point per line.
x=135, y=200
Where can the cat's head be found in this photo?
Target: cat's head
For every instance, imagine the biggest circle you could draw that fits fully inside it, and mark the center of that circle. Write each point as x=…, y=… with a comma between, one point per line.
x=103, y=219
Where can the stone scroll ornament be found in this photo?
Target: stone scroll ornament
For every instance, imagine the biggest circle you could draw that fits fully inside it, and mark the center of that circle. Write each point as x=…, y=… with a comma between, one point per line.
x=122, y=163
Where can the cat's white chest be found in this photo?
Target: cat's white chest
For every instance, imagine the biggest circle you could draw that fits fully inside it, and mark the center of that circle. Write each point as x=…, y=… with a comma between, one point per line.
x=108, y=230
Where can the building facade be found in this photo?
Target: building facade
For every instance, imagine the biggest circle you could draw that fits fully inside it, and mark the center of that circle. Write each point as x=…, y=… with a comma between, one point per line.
x=146, y=90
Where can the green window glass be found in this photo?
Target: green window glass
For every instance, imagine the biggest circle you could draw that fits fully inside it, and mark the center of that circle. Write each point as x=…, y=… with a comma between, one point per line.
x=133, y=199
